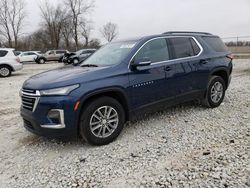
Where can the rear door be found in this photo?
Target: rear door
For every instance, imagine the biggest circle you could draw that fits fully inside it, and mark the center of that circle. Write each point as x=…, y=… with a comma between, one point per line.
x=150, y=85
x=184, y=54
x=31, y=56
x=50, y=55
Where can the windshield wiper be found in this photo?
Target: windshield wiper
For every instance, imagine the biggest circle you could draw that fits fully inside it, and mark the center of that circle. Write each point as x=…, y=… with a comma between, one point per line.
x=89, y=65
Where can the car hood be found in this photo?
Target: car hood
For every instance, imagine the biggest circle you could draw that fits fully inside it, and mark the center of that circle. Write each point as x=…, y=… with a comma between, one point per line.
x=59, y=77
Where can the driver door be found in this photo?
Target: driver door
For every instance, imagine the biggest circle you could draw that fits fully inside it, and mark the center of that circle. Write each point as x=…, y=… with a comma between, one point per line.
x=151, y=85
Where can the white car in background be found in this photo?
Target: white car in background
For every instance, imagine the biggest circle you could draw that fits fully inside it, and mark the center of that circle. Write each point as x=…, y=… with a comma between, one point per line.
x=9, y=62
x=28, y=56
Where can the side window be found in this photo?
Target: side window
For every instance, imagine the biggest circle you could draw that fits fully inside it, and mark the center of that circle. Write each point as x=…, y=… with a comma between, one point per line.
x=195, y=47
x=182, y=47
x=216, y=44
x=156, y=50
x=60, y=52
x=31, y=53
x=3, y=53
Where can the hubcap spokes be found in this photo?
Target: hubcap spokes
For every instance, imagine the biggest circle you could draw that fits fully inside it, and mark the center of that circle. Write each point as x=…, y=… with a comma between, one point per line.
x=104, y=121
x=216, y=92
x=4, y=71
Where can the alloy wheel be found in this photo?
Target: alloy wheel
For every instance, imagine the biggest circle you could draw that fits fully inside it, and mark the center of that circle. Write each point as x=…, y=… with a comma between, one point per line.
x=217, y=92
x=104, y=121
x=4, y=71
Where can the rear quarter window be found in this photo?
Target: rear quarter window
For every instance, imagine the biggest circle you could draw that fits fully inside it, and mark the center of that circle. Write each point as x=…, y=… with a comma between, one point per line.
x=3, y=53
x=216, y=44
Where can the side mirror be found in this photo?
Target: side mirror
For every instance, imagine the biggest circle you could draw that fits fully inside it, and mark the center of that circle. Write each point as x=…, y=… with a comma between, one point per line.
x=142, y=63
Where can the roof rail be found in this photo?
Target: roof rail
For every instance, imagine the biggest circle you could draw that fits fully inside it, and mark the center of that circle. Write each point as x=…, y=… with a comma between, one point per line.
x=186, y=32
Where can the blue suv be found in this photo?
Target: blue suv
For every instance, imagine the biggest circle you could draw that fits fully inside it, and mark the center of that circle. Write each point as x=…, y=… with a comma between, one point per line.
x=125, y=78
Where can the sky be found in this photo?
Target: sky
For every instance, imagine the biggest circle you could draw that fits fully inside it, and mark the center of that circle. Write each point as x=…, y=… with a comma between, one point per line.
x=227, y=18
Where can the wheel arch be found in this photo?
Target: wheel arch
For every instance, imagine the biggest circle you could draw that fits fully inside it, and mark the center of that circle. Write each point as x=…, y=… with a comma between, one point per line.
x=223, y=73
x=116, y=93
x=7, y=65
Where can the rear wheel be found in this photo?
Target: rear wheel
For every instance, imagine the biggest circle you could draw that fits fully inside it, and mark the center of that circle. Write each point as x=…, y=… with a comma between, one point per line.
x=215, y=92
x=102, y=121
x=5, y=71
x=41, y=61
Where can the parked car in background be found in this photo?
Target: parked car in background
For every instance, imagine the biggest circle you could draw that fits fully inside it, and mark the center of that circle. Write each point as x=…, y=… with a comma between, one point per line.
x=18, y=52
x=9, y=62
x=51, y=55
x=77, y=57
x=29, y=56
x=125, y=78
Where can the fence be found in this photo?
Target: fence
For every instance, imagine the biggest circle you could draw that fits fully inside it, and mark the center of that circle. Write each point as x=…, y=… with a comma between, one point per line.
x=239, y=45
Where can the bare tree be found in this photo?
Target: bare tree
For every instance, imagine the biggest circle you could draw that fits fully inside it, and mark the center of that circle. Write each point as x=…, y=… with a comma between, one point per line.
x=78, y=9
x=109, y=31
x=67, y=32
x=12, y=15
x=54, y=19
x=86, y=28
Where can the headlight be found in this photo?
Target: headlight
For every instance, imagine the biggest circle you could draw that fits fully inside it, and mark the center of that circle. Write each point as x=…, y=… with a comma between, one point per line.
x=59, y=91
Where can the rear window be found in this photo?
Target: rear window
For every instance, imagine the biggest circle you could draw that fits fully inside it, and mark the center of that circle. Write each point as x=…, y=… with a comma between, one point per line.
x=3, y=53
x=216, y=44
x=182, y=47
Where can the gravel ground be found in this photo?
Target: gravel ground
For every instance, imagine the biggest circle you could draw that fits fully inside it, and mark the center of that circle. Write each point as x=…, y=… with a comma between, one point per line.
x=183, y=146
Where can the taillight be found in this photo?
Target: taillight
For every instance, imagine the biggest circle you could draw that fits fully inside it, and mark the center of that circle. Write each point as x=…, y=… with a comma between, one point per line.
x=230, y=56
x=18, y=60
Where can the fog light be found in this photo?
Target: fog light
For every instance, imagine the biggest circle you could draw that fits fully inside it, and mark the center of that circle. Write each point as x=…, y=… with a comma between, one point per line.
x=55, y=117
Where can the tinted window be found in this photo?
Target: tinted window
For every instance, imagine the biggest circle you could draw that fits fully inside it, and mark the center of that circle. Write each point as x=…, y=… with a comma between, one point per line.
x=49, y=52
x=31, y=53
x=156, y=50
x=60, y=52
x=216, y=44
x=182, y=47
x=195, y=47
x=3, y=53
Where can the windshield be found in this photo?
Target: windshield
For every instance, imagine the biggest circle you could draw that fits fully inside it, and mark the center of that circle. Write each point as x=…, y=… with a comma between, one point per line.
x=111, y=54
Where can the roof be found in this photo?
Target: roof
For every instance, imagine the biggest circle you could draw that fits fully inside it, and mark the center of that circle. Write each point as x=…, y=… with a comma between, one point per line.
x=7, y=49
x=185, y=33
x=169, y=33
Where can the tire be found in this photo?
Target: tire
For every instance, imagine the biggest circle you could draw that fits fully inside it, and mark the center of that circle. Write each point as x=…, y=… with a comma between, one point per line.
x=75, y=61
x=41, y=61
x=5, y=71
x=103, y=130
x=215, y=92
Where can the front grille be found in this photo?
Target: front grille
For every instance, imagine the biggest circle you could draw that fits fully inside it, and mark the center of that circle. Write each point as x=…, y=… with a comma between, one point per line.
x=29, y=91
x=29, y=99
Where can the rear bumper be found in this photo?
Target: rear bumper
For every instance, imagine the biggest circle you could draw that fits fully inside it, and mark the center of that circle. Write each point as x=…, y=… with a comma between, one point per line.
x=17, y=66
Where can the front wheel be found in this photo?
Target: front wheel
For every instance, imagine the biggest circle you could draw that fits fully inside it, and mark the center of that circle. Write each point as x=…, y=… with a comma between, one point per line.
x=215, y=92
x=41, y=61
x=102, y=121
x=5, y=71
x=75, y=61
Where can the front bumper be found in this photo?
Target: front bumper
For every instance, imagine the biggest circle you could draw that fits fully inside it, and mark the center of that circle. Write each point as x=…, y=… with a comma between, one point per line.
x=38, y=121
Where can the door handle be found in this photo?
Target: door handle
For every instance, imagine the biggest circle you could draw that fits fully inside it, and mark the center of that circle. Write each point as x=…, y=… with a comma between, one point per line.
x=168, y=68
x=203, y=61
